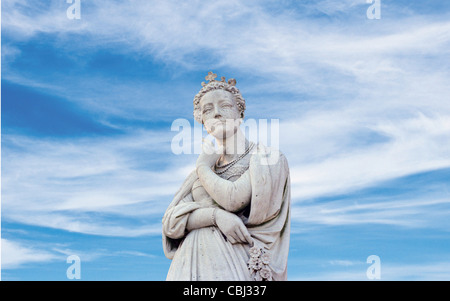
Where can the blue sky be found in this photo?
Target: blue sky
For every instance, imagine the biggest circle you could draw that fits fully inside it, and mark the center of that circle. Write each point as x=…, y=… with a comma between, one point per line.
x=87, y=107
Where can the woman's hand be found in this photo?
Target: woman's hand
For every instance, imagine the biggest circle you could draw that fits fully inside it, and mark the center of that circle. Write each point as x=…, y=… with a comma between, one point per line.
x=209, y=154
x=232, y=227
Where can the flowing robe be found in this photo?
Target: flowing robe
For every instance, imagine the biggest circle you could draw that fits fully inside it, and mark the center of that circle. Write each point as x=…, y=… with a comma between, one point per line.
x=204, y=254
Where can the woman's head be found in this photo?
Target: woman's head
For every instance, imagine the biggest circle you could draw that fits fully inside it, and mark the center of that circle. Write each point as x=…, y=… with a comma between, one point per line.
x=213, y=85
x=219, y=106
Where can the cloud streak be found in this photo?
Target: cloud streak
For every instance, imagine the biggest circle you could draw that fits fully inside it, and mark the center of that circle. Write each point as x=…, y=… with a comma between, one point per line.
x=424, y=212
x=390, y=271
x=66, y=185
x=15, y=255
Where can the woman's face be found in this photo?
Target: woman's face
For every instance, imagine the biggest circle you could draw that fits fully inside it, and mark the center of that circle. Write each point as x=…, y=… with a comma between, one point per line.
x=220, y=114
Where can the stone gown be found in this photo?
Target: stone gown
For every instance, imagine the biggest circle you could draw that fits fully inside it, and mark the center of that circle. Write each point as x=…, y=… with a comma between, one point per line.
x=205, y=254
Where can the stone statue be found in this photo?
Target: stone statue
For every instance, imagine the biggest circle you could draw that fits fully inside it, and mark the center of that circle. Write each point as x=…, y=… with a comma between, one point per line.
x=230, y=220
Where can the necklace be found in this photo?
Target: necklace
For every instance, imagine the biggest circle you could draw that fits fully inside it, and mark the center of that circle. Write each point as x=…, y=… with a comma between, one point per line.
x=229, y=164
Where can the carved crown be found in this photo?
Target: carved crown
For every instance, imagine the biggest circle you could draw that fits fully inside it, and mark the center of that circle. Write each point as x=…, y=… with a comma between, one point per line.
x=211, y=77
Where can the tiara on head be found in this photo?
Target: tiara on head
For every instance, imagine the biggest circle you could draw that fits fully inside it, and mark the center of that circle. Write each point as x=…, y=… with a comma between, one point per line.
x=211, y=77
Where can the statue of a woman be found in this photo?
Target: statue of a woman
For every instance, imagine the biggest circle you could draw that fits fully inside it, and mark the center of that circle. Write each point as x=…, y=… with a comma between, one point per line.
x=230, y=218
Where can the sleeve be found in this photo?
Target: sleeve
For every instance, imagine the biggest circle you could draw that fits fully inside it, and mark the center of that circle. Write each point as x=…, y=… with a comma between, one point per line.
x=176, y=217
x=269, y=218
x=268, y=179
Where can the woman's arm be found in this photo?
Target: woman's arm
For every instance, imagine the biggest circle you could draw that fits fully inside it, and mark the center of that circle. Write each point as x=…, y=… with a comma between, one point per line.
x=229, y=224
x=200, y=218
x=232, y=196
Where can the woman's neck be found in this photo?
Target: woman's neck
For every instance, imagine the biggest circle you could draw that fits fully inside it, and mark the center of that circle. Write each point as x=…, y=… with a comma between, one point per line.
x=232, y=146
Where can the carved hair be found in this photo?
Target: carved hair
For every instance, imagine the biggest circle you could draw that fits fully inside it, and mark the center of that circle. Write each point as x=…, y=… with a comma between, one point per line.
x=218, y=85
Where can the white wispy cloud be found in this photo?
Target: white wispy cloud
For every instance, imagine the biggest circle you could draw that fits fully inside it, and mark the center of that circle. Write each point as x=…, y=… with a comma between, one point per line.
x=337, y=150
x=382, y=69
x=343, y=262
x=427, y=271
x=15, y=254
x=242, y=36
x=421, y=212
x=63, y=184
